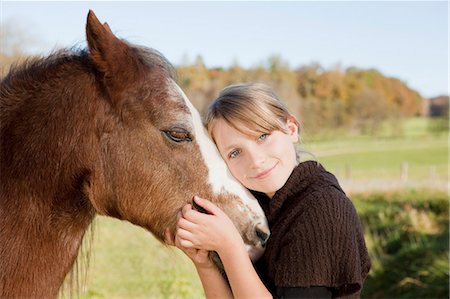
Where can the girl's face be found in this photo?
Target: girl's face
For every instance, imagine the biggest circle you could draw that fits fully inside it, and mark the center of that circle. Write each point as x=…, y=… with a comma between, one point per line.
x=262, y=163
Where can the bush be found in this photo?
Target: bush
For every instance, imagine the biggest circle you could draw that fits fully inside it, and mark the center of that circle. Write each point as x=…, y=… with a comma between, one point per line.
x=407, y=234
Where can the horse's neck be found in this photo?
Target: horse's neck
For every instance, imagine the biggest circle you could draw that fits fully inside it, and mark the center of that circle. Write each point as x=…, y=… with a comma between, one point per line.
x=38, y=246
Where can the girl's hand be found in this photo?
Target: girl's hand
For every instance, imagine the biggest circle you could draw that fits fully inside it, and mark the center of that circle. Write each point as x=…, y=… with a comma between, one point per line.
x=199, y=257
x=214, y=231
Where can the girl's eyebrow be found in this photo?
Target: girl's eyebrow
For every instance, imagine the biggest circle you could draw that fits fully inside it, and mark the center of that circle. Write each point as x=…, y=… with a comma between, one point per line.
x=234, y=145
x=229, y=147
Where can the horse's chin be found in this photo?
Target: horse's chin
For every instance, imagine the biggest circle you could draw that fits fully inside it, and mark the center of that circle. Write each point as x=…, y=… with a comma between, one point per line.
x=214, y=256
x=255, y=252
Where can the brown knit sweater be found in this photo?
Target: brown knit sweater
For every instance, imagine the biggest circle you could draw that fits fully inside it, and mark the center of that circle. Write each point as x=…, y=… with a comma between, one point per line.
x=316, y=236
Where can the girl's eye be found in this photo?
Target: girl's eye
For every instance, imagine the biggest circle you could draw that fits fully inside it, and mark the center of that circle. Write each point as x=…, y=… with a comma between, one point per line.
x=234, y=153
x=263, y=137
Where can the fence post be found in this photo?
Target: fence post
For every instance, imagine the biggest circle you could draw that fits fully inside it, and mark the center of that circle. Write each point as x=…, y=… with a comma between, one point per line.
x=348, y=171
x=404, y=177
x=432, y=173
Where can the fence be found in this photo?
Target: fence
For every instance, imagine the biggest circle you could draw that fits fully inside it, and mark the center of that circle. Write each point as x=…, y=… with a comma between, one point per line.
x=403, y=181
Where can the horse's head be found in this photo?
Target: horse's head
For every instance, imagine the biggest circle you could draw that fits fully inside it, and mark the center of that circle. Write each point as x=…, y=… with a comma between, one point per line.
x=154, y=153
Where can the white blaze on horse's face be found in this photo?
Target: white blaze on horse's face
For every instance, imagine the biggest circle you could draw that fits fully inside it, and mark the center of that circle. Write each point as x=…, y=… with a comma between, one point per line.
x=219, y=177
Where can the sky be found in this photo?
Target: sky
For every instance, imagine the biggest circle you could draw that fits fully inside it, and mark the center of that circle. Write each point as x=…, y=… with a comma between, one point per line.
x=403, y=39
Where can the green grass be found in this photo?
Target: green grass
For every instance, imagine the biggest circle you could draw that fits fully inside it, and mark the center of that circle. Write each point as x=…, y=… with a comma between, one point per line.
x=416, y=127
x=427, y=158
x=128, y=262
x=383, y=156
x=407, y=234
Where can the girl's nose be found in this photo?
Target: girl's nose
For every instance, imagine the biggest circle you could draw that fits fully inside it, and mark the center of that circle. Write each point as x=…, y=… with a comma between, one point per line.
x=257, y=158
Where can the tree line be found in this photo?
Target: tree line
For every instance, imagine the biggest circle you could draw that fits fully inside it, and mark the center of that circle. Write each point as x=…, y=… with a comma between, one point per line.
x=322, y=99
x=351, y=99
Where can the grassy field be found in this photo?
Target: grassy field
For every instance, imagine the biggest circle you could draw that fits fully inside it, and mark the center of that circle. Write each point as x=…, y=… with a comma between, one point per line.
x=407, y=235
x=128, y=262
x=368, y=159
x=417, y=153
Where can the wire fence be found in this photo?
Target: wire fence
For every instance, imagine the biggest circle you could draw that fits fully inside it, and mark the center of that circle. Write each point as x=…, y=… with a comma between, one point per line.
x=404, y=180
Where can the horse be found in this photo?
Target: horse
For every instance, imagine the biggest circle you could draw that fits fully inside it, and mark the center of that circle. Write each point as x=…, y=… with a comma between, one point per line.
x=102, y=130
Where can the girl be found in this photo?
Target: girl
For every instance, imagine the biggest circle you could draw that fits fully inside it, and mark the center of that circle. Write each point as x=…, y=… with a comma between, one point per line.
x=316, y=248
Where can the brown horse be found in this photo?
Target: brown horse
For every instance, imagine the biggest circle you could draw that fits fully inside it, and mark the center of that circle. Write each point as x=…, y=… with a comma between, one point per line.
x=104, y=130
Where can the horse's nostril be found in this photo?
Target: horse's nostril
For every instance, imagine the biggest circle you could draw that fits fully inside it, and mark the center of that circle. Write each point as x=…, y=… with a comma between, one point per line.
x=262, y=234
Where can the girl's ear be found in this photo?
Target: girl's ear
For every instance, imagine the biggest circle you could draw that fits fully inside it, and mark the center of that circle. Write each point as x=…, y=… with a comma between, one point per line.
x=293, y=128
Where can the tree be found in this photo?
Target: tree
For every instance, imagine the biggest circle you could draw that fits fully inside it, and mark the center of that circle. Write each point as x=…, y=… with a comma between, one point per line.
x=13, y=41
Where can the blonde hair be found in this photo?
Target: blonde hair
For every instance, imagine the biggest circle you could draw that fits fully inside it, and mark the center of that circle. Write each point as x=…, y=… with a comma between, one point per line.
x=250, y=108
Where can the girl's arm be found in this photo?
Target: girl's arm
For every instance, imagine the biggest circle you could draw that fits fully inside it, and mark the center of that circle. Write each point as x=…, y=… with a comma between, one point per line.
x=216, y=232
x=244, y=281
x=214, y=284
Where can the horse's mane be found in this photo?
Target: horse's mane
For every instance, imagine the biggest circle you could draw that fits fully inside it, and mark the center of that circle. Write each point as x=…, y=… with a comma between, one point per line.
x=30, y=73
x=34, y=66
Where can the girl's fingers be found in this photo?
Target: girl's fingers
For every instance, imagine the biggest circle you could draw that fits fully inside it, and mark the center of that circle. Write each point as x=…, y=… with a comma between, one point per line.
x=179, y=215
x=185, y=235
x=207, y=205
x=186, y=225
x=181, y=243
x=169, y=238
x=194, y=216
x=177, y=242
x=186, y=244
x=185, y=209
x=190, y=214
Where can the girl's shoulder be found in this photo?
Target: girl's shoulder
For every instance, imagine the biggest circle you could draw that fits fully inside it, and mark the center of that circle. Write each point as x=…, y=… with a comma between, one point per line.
x=311, y=176
x=324, y=201
x=322, y=188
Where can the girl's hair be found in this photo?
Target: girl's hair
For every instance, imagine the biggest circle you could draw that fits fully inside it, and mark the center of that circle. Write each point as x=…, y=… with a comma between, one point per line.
x=250, y=108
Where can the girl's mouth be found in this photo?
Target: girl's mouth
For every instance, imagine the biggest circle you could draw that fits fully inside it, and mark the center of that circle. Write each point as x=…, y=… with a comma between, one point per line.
x=265, y=173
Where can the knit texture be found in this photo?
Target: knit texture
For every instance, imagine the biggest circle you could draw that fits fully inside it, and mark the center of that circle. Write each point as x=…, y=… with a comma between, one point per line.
x=316, y=235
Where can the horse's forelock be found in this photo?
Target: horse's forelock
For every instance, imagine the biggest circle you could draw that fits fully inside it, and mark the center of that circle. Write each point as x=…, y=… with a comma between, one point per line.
x=155, y=60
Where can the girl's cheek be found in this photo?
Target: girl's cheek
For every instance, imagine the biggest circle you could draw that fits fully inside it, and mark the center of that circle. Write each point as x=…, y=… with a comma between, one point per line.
x=236, y=171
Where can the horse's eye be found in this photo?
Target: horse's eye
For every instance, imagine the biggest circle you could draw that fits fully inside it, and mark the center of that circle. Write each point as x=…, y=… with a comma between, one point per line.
x=178, y=136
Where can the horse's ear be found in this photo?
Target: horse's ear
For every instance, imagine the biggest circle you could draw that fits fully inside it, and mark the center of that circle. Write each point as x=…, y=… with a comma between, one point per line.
x=111, y=56
x=107, y=27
